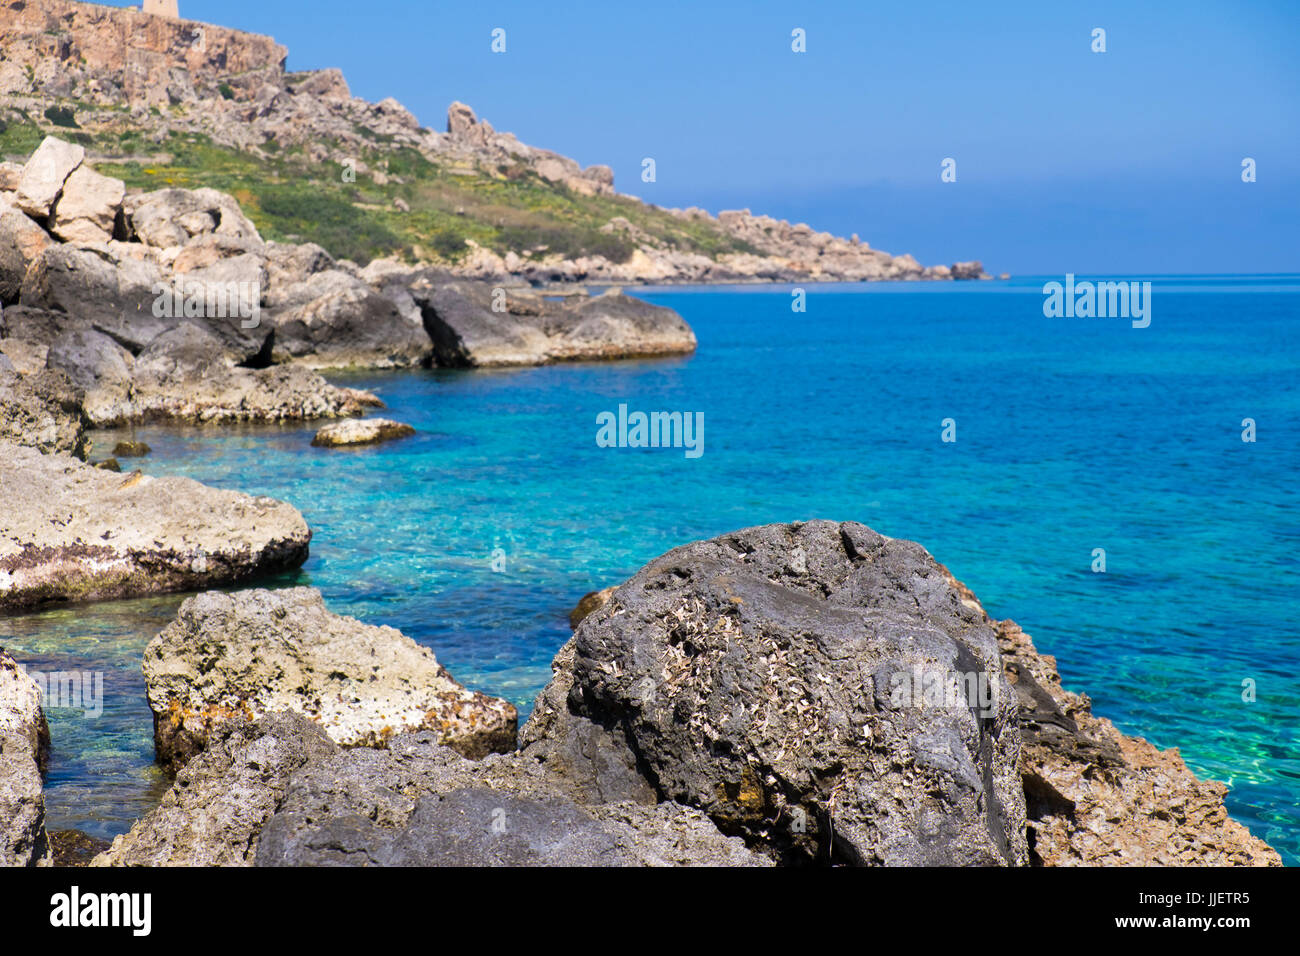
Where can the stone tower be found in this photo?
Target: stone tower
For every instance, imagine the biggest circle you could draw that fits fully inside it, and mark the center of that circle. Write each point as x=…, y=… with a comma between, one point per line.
x=162, y=8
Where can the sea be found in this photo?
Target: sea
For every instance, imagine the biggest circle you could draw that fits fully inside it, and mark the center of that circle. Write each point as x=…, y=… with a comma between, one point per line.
x=1127, y=494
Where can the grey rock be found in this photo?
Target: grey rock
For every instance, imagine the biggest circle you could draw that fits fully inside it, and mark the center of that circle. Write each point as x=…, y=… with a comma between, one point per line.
x=116, y=298
x=101, y=370
x=756, y=677
x=419, y=804
x=214, y=813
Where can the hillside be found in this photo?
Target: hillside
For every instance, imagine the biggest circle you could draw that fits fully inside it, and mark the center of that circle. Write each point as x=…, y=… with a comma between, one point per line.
x=158, y=102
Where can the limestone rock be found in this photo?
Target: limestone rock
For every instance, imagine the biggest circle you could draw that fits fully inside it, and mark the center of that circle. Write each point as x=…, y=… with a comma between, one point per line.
x=364, y=431
x=101, y=370
x=44, y=175
x=214, y=814
x=88, y=209
x=41, y=411
x=257, y=652
x=73, y=532
x=21, y=242
x=1098, y=797
x=24, y=750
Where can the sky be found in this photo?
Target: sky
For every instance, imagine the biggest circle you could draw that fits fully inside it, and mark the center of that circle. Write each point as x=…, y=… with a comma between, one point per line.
x=1067, y=160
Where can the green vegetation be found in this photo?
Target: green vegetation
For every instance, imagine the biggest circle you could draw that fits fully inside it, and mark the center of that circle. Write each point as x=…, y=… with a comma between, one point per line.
x=292, y=198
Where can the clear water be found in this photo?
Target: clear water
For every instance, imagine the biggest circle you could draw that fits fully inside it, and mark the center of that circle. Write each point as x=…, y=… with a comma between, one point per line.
x=1072, y=434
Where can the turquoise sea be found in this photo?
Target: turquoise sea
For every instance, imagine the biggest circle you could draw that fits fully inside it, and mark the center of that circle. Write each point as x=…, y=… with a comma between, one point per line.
x=1071, y=435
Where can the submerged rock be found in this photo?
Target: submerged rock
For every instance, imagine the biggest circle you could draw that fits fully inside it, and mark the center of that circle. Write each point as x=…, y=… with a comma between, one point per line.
x=72, y=532
x=257, y=652
x=131, y=449
x=24, y=750
x=365, y=431
x=757, y=677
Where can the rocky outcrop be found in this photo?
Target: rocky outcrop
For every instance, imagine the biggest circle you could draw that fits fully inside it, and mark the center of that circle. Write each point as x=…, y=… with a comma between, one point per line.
x=366, y=431
x=259, y=652
x=24, y=751
x=214, y=813
x=1097, y=797
x=473, y=324
x=71, y=532
x=766, y=678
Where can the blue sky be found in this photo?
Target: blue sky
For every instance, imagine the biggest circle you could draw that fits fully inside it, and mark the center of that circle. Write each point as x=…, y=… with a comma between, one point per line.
x=1127, y=161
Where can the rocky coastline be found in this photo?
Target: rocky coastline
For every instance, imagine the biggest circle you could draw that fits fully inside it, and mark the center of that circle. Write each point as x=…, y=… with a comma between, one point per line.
x=735, y=703
x=765, y=698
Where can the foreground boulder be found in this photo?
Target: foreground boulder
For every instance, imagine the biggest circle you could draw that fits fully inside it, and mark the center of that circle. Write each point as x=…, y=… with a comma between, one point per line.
x=71, y=532
x=259, y=652
x=365, y=431
x=214, y=814
x=1093, y=795
x=419, y=804
x=767, y=677
x=24, y=750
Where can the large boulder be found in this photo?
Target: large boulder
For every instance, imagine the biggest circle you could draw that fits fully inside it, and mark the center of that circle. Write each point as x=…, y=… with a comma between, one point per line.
x=101, y=370
x=71, y=532
x=419, y=804
x=817, y=687
x=44, y=175
x=616, y=326
x=214, y=813
x=24, y=751
x=258, y=652
x=477, y=324
x=88, y=209
x=333, y=319
x=168, y=218
x=117, y=298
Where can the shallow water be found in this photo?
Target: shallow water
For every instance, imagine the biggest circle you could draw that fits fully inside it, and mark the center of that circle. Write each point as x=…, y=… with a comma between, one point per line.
x=1072, y=434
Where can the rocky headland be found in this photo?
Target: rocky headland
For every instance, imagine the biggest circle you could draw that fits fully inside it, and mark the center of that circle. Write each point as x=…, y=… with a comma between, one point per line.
x=120, y=74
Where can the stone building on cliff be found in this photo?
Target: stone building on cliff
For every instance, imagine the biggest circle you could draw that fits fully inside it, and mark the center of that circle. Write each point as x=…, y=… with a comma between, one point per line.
x=162, y=8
